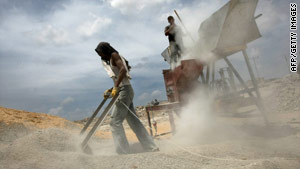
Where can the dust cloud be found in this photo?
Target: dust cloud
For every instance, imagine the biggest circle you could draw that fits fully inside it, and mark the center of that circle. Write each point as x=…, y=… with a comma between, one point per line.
x=195, y=117
x=244, y=133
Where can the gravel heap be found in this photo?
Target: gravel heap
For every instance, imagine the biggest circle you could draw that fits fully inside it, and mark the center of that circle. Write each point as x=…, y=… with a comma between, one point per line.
x=285, y=94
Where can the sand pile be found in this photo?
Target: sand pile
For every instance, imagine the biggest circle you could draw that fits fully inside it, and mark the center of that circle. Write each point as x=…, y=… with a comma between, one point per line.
x=34, y=120
x=15, y=124
x=284, y=94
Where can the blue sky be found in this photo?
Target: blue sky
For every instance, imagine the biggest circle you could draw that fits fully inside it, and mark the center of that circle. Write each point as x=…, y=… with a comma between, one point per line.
x=47, y=58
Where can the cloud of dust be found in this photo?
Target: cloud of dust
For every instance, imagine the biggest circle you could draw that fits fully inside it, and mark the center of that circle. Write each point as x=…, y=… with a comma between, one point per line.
x=195, y=118
x=200, y=124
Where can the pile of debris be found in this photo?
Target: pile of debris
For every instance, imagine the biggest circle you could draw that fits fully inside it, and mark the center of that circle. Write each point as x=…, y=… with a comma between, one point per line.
x=32, y=120
x=141, y=111
x=15, y=124
x=284, y=95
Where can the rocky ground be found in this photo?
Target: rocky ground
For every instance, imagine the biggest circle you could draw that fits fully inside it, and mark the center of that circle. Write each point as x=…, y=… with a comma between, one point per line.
x=282, y=95
x=238, y=140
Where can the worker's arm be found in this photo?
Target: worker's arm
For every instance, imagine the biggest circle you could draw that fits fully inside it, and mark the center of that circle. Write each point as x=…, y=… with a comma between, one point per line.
x=118, y=62
x=168, y=29
x=166, y=33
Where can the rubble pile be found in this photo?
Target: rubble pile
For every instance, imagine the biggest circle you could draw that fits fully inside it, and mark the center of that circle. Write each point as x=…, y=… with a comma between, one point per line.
x=141, y=111
x=285, y=94
x=32, y=120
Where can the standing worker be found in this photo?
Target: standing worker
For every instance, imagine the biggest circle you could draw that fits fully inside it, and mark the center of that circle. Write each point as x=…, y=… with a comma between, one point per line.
x=174, y=34
x=118, y=69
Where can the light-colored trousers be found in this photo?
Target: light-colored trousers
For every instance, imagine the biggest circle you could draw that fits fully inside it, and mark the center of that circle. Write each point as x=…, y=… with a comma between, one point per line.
x=118, y=115
x=174, y=52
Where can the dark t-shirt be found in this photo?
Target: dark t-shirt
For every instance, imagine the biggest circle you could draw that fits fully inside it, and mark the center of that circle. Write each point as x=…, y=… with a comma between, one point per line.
x=171, y=36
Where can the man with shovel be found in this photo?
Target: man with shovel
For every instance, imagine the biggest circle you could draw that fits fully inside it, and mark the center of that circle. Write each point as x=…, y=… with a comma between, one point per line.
x=118, y=68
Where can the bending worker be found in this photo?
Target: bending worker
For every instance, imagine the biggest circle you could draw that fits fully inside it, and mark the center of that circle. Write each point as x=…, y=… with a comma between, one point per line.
x=118, y=69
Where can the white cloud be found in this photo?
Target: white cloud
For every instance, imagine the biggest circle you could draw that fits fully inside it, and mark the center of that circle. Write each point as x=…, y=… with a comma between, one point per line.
x=51, y=35
x=67, y=100
x=148, y=97
x=60, y=109
x=94, y=25
x=272, y=16
x=135, y=6
x=56, y=111
x=144, y=96
x=156, y=94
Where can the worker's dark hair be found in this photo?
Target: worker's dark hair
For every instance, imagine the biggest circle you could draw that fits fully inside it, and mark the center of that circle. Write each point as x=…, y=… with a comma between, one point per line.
x=170, y=17
x=107, y=50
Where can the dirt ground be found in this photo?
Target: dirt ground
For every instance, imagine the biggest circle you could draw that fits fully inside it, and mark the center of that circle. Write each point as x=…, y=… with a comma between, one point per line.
x=224, y=140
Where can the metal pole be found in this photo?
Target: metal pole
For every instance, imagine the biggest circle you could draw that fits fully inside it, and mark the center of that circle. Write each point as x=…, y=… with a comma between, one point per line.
x=222, y=74
x=207, y=73
x=251, y=74
x=93, y=116
x=231, y=79
x=258, y=104
x=258, y=16
x=149, y=122
x=213, y=75
x=99, y=121
x=254, y=61
x=238, y=77
x=202, y=77
x=172, y=122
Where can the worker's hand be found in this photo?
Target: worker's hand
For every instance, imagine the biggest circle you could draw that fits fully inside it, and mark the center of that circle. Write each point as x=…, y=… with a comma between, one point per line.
x=114, y=91
x=107, y=93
